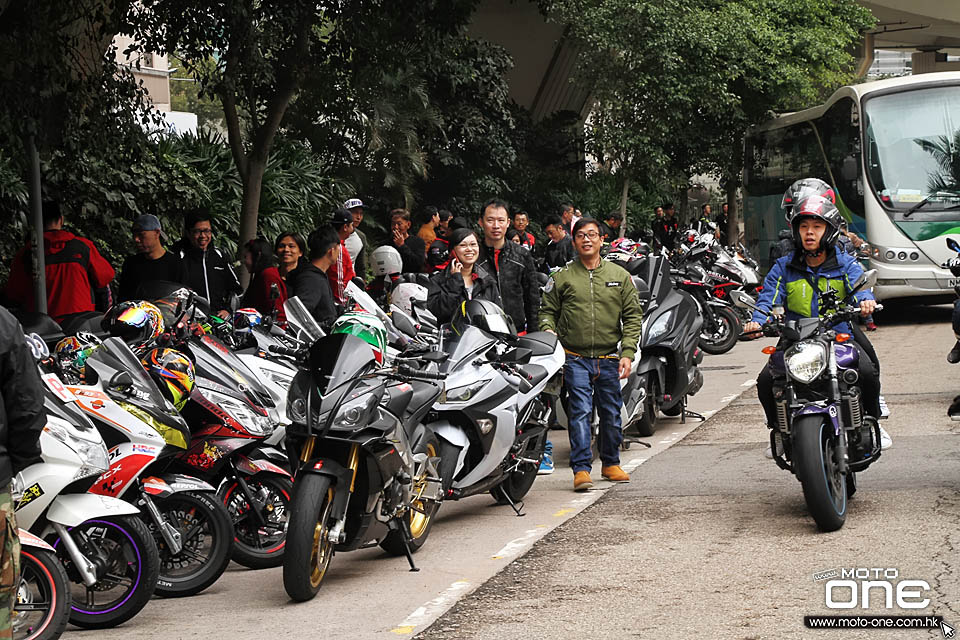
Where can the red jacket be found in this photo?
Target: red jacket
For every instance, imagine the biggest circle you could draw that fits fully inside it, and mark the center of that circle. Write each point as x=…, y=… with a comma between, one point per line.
x=74, y=269
x=340, y=274
x=258, y=293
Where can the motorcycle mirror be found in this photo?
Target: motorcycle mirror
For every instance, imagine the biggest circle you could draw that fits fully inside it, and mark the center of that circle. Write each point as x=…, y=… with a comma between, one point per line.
x=435, y=356
x=742, y=299
x=953, y=245
x=121, y=380
x=517, y=355
x=403, y=323
x=867, y=280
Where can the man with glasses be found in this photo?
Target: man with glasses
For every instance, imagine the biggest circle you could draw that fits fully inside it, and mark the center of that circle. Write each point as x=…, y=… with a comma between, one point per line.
x=592, y=306
x=206, y=269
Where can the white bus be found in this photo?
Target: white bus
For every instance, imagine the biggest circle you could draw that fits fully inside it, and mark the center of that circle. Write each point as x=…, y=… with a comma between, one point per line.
x=891, y=149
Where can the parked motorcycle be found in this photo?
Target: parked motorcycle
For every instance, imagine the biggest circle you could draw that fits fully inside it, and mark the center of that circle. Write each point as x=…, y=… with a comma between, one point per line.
x=822, y=434
x=108, y=552
x=43, y=591
x=365, y=463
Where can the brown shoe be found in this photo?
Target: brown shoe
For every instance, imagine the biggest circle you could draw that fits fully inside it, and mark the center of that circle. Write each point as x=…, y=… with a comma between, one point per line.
x=582, y=481
x=614, y=473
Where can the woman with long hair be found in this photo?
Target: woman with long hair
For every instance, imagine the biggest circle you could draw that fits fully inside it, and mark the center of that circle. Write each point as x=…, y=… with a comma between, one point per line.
x=267, y=291
x=463, y=279
x=291, y=251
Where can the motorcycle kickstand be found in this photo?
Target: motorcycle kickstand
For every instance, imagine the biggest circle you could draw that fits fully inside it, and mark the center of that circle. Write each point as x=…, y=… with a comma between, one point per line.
x=517, y=508
x=684, y=412
x=407, y=537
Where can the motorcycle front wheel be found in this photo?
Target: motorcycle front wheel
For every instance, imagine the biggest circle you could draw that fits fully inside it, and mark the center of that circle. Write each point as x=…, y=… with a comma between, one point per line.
x=519, y=481
x=309, y=551
x=207, y=538
x=815, y=463
x=124, y=548
x=259, y=545
x=43, y=596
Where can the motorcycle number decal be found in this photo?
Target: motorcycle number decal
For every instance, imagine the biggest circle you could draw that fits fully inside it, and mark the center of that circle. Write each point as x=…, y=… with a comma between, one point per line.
x=30, y=494
x=55, y=385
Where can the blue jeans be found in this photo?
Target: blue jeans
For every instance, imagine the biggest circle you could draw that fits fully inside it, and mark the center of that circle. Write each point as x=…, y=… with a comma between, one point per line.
x=956, y=317
x=588, y=380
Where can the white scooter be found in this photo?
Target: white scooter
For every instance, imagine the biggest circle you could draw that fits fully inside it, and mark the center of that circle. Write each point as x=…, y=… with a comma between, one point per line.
x=108, y=552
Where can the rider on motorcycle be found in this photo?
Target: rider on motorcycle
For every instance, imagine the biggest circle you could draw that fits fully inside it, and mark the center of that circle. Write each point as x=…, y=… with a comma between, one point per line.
x=797, y=281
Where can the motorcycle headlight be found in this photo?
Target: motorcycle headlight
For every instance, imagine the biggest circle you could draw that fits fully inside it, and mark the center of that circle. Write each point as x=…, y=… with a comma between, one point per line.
x=355, y=413
x=660, y=326
x=89, y=447
x=806, y=361
x=255, y=423
x=463, y=393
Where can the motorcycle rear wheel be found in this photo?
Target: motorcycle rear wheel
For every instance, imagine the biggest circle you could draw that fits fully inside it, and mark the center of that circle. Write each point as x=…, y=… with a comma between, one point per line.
x=308, y=553
x=727, y=333
x=519, y=482
x=43, y=596
x=422, y=512
x=814, y=461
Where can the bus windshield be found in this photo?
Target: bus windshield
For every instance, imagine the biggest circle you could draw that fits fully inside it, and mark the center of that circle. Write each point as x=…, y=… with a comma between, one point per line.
x=913, y=149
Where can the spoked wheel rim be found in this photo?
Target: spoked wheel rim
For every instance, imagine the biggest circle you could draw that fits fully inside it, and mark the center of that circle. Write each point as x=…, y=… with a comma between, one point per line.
x=419, y=516
x=247, y=528
x=322, y=550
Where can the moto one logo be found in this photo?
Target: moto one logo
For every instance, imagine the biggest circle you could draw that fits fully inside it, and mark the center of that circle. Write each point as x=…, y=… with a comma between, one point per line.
x=878, y=587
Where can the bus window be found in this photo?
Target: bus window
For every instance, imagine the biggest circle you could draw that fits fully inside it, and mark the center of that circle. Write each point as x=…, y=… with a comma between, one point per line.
x=840, y=132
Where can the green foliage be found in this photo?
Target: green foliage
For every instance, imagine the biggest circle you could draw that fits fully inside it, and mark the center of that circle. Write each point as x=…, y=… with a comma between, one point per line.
x=185, y=95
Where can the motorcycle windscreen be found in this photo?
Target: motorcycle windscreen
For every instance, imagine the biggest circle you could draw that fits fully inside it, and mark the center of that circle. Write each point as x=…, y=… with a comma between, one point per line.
x=363, y=299
x=300, y=322
x=215, y=361
x=462, y=350
x=114, y=356
x=339, y=358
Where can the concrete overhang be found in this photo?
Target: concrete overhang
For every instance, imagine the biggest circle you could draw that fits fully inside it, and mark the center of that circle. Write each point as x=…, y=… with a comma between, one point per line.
x=923, y=25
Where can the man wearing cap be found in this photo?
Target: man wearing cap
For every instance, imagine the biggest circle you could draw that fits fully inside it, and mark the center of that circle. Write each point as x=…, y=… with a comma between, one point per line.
x=341, y=273
x=357, y=245
x=151, y=262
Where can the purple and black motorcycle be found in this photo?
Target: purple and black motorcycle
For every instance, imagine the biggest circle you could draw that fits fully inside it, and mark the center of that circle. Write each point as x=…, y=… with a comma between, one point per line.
x=822, y=434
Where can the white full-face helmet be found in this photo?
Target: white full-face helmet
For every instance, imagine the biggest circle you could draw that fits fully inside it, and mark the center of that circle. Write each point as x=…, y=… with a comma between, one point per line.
x=386, y=261
x=404, y=295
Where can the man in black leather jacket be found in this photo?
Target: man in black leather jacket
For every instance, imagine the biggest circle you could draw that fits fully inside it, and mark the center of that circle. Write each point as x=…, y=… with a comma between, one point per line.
x=206, y=269
x=516, y=273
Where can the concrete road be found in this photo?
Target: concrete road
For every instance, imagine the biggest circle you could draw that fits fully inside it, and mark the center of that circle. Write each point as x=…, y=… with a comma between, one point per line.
x=711, y=539
x=367, y=594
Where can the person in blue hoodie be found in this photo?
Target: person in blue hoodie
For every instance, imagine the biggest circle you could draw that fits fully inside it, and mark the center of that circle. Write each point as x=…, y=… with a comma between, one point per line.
x=797, y=280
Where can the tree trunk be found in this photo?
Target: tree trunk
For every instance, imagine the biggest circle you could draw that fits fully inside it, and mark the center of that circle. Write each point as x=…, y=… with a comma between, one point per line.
x=624, y=196
x=250, y=207
x=734, y=175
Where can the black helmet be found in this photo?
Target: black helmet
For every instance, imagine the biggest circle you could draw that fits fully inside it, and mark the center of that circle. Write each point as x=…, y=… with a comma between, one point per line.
x=484, y=315
x=819, y=208
x=805, y=188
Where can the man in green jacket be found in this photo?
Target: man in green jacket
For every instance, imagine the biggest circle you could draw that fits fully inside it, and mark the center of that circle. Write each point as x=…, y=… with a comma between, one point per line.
x=592, y=306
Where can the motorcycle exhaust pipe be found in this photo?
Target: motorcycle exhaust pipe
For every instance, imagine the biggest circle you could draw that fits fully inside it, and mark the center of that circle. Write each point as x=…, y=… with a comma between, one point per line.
x=87, y=570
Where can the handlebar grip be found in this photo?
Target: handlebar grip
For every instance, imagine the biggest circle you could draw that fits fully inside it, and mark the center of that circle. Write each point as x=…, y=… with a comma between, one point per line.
x=408, y=372
x=283, y=351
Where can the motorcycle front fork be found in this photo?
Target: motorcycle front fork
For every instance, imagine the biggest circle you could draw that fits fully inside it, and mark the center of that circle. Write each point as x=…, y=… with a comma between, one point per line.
x=171, y=535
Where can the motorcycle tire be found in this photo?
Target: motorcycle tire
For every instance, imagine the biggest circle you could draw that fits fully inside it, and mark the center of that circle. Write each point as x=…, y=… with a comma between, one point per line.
x=308, y=553
x=824, y=487
x=207, y=535
x=726, y=337
x=422, y=512
x=43, y=597
x=519, y=482
x=257, y=547
x=127, y=544
x=647, y=423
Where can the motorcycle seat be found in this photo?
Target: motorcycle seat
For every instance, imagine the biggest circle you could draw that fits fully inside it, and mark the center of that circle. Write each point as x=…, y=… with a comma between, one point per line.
x=540, y=343
x=535, y=373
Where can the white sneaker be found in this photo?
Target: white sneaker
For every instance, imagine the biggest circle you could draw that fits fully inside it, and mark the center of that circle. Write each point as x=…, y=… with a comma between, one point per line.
x=768, y=452
x=884, y=409
x=885, y=440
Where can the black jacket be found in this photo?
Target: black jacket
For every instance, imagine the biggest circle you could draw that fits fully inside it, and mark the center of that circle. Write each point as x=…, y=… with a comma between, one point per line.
x=22, y=416
x=517, y=281
x=312, y=286
x=209, y=274
x=140, y=269
x=413, y=252
x=665, y=231
x=445, y=291
x=557, y=254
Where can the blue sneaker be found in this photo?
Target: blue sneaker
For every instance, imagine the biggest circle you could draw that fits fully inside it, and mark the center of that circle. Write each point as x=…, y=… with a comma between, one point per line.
x=546, y=463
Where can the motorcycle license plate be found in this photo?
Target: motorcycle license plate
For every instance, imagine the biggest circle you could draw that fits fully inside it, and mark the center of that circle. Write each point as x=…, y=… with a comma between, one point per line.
x=953, y=282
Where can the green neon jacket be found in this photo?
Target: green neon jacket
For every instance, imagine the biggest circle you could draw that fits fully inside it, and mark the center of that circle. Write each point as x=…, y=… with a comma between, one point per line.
x=594, y=313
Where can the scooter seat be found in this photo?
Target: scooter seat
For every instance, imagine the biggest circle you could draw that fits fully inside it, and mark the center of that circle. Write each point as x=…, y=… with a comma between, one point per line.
x=540, y=343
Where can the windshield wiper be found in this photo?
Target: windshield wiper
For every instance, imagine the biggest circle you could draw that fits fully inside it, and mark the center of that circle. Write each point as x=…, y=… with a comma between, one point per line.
x=929, y=198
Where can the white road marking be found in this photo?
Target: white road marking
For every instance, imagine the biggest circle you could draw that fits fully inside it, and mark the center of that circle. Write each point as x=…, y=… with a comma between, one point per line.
x=433, y=609
x=749, y=383
x=728, y=399
x=633, y=464
x=518, y=544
